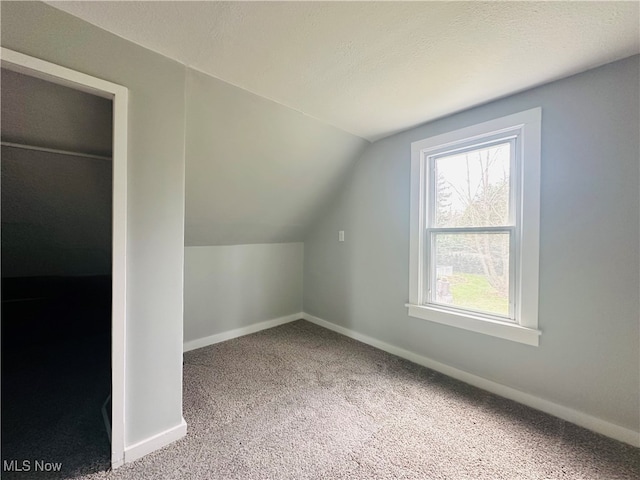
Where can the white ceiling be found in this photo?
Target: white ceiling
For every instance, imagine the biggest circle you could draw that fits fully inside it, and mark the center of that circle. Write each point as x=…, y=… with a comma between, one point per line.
x=374, y=68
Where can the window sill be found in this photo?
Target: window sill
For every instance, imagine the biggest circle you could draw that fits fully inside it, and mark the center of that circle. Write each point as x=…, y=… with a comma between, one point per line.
x=508, y=331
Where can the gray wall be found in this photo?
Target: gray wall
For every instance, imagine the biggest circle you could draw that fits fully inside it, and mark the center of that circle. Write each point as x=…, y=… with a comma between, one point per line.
x=228, y=287
x=155, y=197
x=256, y=170
x=56, y=209
x=256, y=173
x=588, y=356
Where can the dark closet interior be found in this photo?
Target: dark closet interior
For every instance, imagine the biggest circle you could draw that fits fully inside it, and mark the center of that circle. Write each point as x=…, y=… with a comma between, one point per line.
x=56, y=275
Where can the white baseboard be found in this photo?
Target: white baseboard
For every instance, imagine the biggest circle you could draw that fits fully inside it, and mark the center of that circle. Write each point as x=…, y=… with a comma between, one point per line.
x=154, y=443
x=582, y=419
x=239, y=332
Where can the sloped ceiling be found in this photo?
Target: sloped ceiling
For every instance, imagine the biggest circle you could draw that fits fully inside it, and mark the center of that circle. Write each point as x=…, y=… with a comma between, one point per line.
x=374, y=68
x=256, y=171
x=283, y=97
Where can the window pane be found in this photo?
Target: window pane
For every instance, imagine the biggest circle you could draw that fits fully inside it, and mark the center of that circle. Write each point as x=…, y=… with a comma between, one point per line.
x=472, y=188
x=472, y=271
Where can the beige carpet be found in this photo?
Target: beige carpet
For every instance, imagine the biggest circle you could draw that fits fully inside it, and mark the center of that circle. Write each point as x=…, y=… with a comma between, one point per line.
x=302, y=402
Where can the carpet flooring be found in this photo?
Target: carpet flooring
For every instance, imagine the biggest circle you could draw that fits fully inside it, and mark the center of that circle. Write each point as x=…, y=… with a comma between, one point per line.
x=302, y=402
x=56, y=374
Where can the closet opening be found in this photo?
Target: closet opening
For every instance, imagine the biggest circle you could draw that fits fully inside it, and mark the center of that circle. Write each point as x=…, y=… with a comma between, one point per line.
x=57, y=190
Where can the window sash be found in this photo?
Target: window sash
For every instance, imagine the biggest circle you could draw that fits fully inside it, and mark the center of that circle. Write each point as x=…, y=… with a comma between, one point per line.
x=430, y=181
x=430, y=269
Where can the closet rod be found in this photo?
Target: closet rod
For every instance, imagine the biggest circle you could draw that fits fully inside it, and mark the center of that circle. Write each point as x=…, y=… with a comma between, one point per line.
x=53, y=150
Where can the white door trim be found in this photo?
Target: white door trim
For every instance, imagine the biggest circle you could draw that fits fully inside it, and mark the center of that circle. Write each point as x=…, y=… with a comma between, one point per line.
x=35, y=67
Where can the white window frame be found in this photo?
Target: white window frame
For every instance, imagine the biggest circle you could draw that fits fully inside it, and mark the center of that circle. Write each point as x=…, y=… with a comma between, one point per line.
x=524, y=129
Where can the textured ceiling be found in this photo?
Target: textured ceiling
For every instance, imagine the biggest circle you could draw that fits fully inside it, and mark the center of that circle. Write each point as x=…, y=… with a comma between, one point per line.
x=374, y=68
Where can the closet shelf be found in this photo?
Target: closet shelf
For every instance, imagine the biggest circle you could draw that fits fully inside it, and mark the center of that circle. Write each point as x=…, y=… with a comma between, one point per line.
x=54, y=150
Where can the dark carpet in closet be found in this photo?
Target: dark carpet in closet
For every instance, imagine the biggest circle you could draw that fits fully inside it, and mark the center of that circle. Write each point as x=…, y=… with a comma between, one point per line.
x=56, y=374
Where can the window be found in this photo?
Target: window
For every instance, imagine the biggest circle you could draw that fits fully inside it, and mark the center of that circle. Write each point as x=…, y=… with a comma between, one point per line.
x=475, y=215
